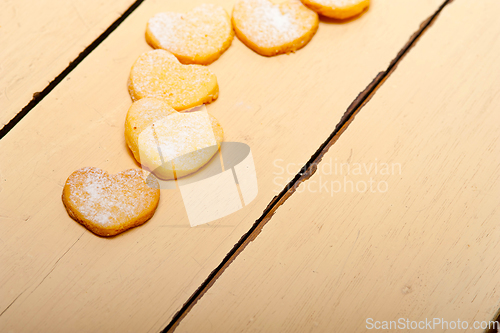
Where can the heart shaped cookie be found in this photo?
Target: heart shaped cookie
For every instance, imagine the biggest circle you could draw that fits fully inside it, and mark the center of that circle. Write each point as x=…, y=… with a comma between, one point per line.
x=196, y=37
x=110, y=204
x=171, y=144
x=270, y=29
x=338, y=9
x=160, y=75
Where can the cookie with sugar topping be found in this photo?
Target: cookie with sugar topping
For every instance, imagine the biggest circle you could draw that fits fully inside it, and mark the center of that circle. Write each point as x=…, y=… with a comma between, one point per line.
x=110, y=204
x=158, y=74
x=271, y=29
x=338, y=9
x=199, y=36
x=168, y=143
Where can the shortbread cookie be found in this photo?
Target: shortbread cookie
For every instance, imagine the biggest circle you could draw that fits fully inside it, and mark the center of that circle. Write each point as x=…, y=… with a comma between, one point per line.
x=196, y=37
x=338, y=9
x=270, y=29
x=110, y=204
x=168, y=143
x=160, y=75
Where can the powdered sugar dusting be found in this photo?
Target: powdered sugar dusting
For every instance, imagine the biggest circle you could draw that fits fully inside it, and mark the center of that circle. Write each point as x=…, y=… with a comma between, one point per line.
x=158, y=74
x=203, y=31
x=271, y=25
x=183, y=142
x=108, y=200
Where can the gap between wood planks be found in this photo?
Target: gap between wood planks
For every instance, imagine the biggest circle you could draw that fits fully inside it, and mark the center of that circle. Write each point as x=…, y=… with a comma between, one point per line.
x=494, y=329
x=305, y=173
x=38, y=96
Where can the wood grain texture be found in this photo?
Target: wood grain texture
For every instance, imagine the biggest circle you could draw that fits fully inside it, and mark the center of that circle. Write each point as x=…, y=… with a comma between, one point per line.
x=427, y=246
x=40, y=38
x=62, y=276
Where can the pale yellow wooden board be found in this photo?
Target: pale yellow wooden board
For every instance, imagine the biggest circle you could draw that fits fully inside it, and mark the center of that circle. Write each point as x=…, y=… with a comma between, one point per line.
x=429, y=247
x=38, y=40
x=61, y=276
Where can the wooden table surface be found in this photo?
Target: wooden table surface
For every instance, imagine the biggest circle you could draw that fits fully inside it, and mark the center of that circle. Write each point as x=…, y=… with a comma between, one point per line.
x=40, y=38
x=313, y=258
